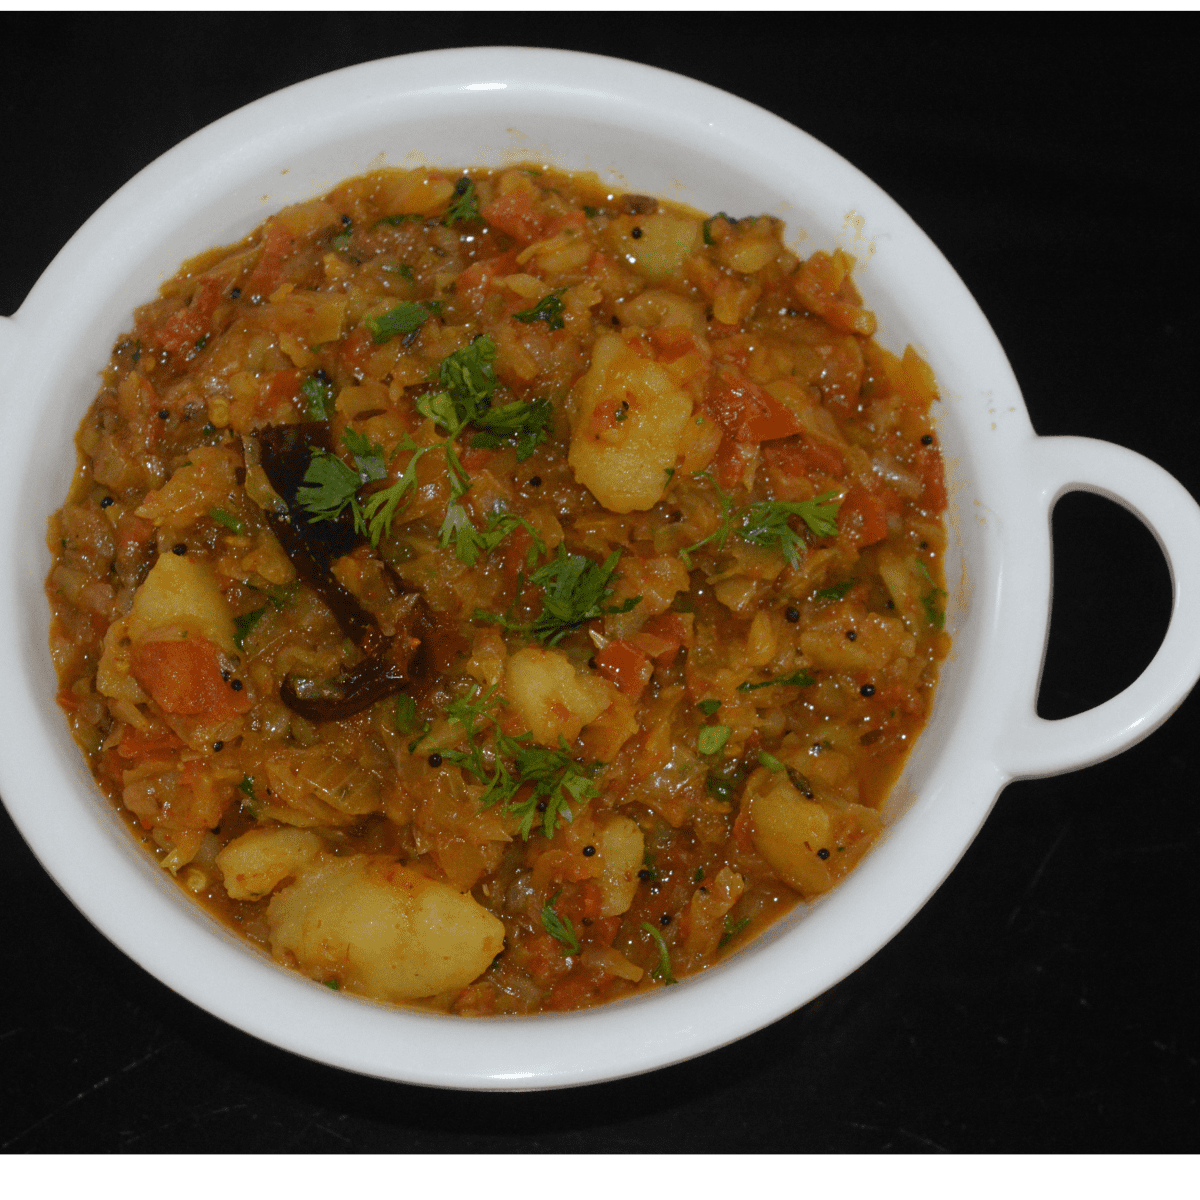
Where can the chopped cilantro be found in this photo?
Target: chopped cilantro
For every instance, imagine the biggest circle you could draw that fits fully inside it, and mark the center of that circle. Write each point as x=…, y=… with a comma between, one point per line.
x=400, y=218
x=559, y=927
x=799, y=679
x=401, y=269
x=466, y=203
x=709, y=240
x=663, y=970
x=468, y=383
x=708, y=707
x=511, y=764
x=407, y=720
x=404, y=318
x=319, y=394
x=549, y=309
x=232, y=523
x=712, y=738
x=329, y=486
x=732, y=929
x=332, y=984
x=574, y=588
x=836, y=592
x=770, y=762
x=767, y=523
x=244, y=624
x=934, y=614
x=246, y=787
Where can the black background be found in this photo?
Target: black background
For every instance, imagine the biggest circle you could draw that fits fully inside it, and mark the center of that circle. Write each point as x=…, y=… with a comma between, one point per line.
x=1047, y=997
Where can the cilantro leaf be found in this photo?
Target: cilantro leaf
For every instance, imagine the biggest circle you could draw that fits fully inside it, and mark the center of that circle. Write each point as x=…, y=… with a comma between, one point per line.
x=511, y=764
x=471, y=545
x=708, y=707
x=574, y=588
x=466, y=203
x=836, y=592
x=559, y=927
x=709, y=240
x=767, y=523
x=328, y=487
x=732, y=929
x=244, y=624
x=524, y=421
x=549, y=309
x=319, y=394
x=663, y=970
x=232, y=523
x=368, y=458
x=712, y=738
x=799, y=679
x=404, y=318
x=721, y=534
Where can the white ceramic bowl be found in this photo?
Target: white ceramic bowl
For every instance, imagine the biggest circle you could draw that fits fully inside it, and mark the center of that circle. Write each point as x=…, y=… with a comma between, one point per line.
x=651, y=132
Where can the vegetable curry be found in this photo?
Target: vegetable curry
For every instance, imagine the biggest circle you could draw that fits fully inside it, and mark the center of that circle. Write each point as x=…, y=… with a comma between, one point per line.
x=486, y=590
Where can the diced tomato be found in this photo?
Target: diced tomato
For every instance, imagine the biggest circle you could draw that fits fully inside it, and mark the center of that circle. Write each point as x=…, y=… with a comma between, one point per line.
x=276, y=246
x=185, y=328
x=743, y=830
x=474, y=284
x=156, y=742
x=277, y=386
x=603, y=930
x=571, y=993
x=933, y=476
x=745, y=411
x=476, y=460
x=806, y=459
x=626, y=666
x=862, y=518
x=670, y=630
x=672, y=343
x=357, y=349
x=515, y=547
x=542, y=956
x=580, y=901
x=731, y=460
x=184, y=677
x=517, y=216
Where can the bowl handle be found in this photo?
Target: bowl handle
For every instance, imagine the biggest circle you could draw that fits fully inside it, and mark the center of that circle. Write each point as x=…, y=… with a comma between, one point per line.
x=1031, y=746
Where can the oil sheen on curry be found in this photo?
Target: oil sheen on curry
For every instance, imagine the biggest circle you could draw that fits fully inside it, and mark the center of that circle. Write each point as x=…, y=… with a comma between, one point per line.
x=484, y=590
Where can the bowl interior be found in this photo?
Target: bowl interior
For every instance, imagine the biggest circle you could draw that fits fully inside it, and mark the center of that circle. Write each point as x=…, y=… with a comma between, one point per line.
x=643, y=131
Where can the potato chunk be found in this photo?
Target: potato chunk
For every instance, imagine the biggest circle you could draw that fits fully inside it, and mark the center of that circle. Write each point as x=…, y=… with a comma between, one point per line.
x=205, y=481
x=810, y=843
x=181, y=592
x=848, y=638
x=620, y=849
x=382, y=929
x=628, y=421
x=256, y=862
x=788, y=832
x=553, y=700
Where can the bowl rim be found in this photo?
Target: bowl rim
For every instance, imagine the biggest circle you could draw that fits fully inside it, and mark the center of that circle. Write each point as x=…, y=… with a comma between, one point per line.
x=998, y=613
